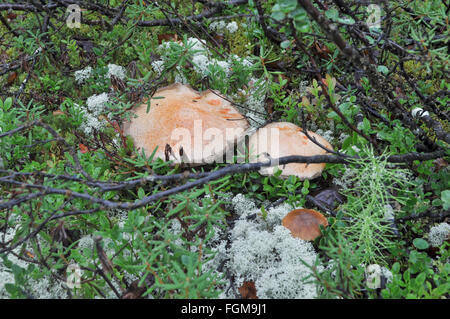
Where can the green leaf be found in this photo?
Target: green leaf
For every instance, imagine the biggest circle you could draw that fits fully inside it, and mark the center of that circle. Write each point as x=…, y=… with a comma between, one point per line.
x=278, y=15
x=299, y=15
x=285, y=44
x=332, y=14
x=396, y=268
x=97, y=51
x=347, y=20
x=407, y=276
x=287, y=6
x=420, y=243
x=7, y=104
x=382, y=69
x=445, y=197
x=420, y=279
x=187, y=260
x=301, y=26
x=141, y=193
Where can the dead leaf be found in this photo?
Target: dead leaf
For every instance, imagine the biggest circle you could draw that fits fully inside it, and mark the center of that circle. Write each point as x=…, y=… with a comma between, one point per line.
x=118, y=84
x=248, y=290
x=329, y=197
x=83, y=148
x=134, y=291
x=269, y=106
x=11, y=78
x=29, y=254
x=11, y=16
x=132, y=69
x=220, y=39
x=439, y=164
x=58, y=112
x=321, y=50
x=167, y=37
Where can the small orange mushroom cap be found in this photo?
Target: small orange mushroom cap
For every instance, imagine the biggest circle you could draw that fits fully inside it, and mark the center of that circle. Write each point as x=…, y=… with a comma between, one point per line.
x=304, y=223
x=198, y=126
x=280, y=139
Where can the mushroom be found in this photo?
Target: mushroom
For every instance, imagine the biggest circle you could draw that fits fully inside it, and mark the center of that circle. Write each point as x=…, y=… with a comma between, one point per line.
x=304, y=223
x=186, y=125
x=280, y=139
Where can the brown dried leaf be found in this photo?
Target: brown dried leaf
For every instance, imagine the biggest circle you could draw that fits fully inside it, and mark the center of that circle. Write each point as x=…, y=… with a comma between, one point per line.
x=167, y=37
x=329, y=197
x=134, y=291
x=83, y=148
x=248, y=290
x=11, y=78
x=118, y=84
x=321, y=50
x=58, y=112
x=439, y=164
x=11, y=16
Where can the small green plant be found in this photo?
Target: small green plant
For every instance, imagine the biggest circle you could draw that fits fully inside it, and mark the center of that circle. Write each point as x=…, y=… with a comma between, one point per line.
x=283, y=101
x=423, y=277
x=18, y=289
x=343, y=275
x=374, y=186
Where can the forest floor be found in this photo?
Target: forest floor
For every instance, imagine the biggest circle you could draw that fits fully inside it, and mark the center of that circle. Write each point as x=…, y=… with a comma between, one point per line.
x=89, y=210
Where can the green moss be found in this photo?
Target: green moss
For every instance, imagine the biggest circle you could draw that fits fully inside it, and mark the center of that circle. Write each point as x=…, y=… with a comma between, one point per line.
x=238, y=41
x=415, y=68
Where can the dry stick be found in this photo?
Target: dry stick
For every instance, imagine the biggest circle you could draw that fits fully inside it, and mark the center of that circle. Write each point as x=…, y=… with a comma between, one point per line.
x=206, y=14
x=186, y=24
x=24, y=83
x=231, y=169
x=428, y=213
x=382, y=89
x=35, y=232
x=3, y=20
x=324, y=91
x=331, y=30
x=228, y=170
x=267, y=31
x=119, y=15
x=313, y=139
x=106, y=185
x=17, y=6
x=7, y=67
x=107, y=266
x=437, y=127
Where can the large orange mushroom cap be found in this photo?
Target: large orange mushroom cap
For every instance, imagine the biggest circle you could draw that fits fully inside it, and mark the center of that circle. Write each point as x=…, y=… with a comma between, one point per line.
x=280, y=139
x=198, y=126
x=304, y=223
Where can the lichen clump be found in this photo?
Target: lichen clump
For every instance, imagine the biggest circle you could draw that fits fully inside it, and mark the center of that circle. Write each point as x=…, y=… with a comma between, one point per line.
x=43, y=288
x=438, y=234
x=263, y=251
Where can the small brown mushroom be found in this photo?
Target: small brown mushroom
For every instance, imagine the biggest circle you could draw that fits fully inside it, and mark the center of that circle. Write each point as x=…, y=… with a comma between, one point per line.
x=280, y=139
x=186, y=125
x=304, y=223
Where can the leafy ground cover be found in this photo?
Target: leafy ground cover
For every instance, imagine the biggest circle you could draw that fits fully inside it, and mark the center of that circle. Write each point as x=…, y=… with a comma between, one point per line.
x=84, y=214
